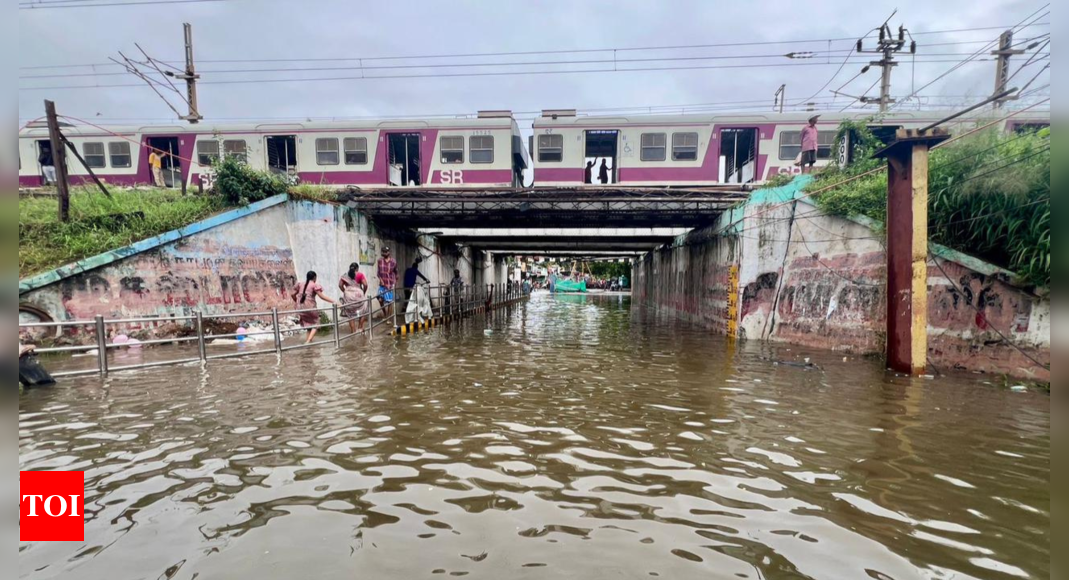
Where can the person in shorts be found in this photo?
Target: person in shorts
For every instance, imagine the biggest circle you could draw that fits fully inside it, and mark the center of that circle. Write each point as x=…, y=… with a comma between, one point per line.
x=387, y=271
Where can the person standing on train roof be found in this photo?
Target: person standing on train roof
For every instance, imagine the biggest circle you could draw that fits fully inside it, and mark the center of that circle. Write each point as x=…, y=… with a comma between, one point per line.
x=603, y=172
x=588, y=177
x=810, y=145
x=155, y=161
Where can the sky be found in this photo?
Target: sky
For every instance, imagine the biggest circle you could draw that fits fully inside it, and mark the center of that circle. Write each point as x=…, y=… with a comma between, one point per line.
x=272, y=30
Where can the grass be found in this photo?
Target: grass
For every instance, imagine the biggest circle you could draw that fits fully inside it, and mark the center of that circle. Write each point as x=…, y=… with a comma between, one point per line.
x=314, y=192
x=989, y=197
x=99, y=224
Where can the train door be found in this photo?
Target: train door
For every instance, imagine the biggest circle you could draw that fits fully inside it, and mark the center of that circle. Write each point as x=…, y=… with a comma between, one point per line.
x=403, y=159
x=738, y=155
x=172, y=165
x=44, y=153
x=601, y=146
x=281, y=151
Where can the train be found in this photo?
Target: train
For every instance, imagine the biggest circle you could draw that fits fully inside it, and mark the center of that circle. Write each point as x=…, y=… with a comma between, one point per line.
x=487, y=150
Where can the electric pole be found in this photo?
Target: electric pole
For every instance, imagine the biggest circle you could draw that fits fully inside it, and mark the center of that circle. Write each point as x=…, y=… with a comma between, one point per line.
x=190, y=77
x=888, y=46
x=1002, y=70
x=147, y=70
x=59, y=161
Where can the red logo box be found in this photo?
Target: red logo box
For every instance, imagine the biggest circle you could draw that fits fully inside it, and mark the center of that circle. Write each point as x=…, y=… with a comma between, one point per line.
x=51, y=506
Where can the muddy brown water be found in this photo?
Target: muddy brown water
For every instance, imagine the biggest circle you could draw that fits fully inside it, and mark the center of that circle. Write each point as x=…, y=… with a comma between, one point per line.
x=570, y=437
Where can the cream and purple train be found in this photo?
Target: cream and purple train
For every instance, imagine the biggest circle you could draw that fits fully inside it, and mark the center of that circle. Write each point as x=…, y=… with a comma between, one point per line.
x=568, y=150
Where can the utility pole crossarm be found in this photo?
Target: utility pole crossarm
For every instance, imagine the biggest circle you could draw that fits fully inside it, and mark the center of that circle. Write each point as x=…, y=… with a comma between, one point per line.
x=191, y=76
x=1002, y=69
x=888, y=46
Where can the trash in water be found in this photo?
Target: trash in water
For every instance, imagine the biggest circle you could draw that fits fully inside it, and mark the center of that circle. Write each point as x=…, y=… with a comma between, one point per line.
x=32, y=374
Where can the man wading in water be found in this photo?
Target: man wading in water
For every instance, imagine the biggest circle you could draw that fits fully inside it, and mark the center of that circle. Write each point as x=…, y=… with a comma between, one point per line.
x=387, y=271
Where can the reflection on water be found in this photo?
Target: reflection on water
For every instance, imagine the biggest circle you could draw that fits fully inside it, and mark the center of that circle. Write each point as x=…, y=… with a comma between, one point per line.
x=570, y=438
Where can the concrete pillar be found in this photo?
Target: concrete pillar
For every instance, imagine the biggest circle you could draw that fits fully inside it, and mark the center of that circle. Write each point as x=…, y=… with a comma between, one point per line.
x=907, y=249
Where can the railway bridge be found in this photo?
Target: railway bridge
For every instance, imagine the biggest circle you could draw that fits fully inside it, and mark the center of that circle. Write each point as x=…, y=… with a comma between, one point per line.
x=577, y=222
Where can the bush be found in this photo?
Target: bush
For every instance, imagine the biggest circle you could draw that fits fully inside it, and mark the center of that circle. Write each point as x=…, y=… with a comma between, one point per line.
x=239, y=184
x=989, y=196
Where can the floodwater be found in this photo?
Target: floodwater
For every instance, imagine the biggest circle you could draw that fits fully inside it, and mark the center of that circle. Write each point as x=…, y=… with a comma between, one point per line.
x=571, y=437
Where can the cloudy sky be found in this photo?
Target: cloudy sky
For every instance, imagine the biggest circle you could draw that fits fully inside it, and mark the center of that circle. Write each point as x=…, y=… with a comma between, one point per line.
x=332, y=36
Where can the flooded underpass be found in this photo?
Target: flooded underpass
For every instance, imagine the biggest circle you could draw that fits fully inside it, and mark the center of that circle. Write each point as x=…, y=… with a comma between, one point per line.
x=568, y=437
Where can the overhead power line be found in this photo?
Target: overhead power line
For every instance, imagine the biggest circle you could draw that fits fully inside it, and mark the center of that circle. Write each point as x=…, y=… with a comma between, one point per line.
x=85, y=4
x=1030, y=20
x=477, y=65
x=537, y=52
x=448, y=75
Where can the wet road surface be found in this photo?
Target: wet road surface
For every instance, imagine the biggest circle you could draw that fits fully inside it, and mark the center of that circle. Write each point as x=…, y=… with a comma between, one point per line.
x=570, y=437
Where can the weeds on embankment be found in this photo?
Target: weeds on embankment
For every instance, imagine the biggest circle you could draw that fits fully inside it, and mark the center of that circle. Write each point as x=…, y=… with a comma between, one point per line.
x=989, y=197
x=100, y=224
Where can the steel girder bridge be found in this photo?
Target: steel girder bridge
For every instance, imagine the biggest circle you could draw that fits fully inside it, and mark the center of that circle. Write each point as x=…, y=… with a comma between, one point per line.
x=597, y=206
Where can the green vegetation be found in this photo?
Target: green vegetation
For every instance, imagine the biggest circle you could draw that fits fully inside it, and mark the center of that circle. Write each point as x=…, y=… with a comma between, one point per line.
x=99, y=224
x=989, y=196
x=238, y=184
x=311, y=192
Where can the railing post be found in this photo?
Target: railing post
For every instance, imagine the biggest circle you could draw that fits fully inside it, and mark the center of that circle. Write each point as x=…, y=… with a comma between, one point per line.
x=201, y=346
x=369, y=329
x=278, y=331
x=337, y=326
x=396, y=299
x=102, y=345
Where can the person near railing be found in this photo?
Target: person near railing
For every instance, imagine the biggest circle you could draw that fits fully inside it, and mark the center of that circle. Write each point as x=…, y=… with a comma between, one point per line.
x=387, y=271
x=353, y=286
x=456, y=289
x=413, y=275
x=304, y=295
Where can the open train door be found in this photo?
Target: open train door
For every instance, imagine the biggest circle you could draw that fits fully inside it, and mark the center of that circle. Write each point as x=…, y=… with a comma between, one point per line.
x=281, y=151
x=601, y=146
x=404, y=159
x=738, y=154
x=170, y=160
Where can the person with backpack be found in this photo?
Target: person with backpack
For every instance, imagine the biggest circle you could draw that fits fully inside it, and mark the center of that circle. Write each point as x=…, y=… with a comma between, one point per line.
x=304, y=296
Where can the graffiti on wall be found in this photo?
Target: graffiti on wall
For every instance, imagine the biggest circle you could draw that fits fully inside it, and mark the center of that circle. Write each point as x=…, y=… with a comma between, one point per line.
x=208, y=276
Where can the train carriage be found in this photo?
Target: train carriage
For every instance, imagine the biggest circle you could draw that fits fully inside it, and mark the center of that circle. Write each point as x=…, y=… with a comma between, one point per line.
x=567, y=150
x=486, y=151
x=698, y=150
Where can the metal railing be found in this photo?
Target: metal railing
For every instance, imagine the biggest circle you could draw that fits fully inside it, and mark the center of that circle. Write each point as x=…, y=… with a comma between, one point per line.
x=446, y=301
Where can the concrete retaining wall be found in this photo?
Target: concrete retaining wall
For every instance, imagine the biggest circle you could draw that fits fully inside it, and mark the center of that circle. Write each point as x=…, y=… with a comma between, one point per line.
x=245, y=260
x=817, y=280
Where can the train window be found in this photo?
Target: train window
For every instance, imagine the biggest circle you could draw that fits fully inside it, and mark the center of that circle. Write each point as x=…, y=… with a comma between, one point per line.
x=355, y=150
x=684, y=146
x=94, y=155
x=236, y=148
x=550, y=148
x=120, y=154
x=482, y=148
x=654, y=146
x=790, y=144
x=327, y=151
x=207, y=153
x=452, y=150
